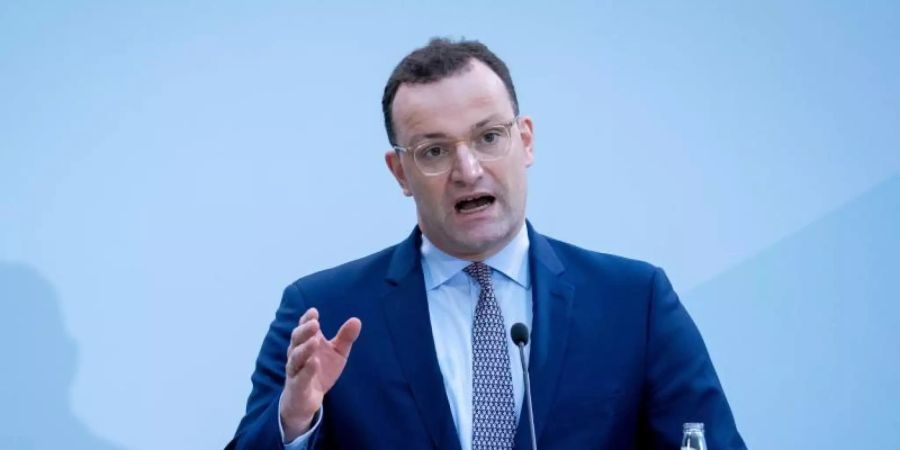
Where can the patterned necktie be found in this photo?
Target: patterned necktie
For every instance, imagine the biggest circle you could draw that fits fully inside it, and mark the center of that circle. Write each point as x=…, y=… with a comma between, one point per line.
x=493, y=405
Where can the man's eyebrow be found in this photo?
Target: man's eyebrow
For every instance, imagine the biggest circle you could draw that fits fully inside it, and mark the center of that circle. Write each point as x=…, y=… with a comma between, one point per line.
x=419, y=137
x=489, y=119
x=439, y=135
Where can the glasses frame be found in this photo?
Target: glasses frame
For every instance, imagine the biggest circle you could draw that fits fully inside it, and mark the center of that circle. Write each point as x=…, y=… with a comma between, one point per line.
x=469, y=143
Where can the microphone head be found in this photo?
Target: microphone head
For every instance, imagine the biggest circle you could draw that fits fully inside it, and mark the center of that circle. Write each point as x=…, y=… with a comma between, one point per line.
x=519, y=333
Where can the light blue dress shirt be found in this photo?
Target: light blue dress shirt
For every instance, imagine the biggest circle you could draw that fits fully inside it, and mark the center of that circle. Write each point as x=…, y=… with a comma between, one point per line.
x=452, y=297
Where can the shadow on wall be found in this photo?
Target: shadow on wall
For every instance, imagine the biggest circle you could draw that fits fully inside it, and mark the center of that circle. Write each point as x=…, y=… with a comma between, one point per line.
x=805, y=335
x=39, y=360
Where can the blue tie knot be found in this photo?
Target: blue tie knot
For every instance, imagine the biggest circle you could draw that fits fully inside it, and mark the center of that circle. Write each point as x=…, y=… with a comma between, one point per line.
x=481, y=273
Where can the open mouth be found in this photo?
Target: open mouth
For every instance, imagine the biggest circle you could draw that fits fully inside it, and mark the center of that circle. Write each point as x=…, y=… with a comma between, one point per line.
x=473, y=204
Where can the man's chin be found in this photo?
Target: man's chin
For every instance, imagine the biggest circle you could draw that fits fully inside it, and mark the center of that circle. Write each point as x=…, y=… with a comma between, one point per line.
x=482, y=241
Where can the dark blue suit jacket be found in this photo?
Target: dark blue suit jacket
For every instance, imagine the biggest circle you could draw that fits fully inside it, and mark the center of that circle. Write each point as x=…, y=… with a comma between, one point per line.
x=616, y=362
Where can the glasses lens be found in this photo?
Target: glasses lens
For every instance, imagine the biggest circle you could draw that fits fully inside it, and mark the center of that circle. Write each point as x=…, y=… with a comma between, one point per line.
x=492, y=143
x=433, y=157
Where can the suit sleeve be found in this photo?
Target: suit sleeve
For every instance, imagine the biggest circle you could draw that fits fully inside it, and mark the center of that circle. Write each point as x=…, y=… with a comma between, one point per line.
x=260, y=428
x=681, y=384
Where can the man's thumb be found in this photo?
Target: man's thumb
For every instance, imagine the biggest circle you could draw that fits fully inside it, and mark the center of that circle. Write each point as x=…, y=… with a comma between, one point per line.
x=346, y=336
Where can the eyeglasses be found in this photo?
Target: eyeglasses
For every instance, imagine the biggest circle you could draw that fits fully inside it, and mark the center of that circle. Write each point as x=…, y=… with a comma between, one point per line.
x=436, y=156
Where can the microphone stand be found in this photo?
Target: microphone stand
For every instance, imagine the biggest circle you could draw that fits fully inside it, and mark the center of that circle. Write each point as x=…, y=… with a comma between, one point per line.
x=521, y=346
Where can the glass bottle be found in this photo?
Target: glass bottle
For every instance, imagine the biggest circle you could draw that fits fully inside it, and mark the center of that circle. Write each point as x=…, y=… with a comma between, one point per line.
x=693, y=437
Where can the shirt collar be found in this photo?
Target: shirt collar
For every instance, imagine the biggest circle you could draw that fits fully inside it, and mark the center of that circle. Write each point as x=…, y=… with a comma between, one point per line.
x=511, y=261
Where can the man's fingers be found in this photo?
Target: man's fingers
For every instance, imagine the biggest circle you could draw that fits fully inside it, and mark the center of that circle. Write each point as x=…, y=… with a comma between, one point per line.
x=300, y=356
x=311, y=313
x=346, y=336
x=303, y=332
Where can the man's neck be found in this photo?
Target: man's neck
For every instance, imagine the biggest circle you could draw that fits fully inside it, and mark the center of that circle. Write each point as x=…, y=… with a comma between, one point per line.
x=479, y=256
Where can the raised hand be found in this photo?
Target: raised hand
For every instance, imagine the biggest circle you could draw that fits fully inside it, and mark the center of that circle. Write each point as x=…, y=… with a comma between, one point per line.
x=313, y=366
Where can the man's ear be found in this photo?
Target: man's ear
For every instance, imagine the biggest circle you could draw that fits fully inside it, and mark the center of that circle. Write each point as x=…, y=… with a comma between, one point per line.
x=395, y=165
x=526, y=132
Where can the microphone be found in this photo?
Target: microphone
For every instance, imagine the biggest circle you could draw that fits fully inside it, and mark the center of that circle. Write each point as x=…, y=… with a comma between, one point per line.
x=519, y=335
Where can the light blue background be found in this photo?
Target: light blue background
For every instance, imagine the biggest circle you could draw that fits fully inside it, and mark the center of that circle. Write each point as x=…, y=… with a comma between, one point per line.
x=167, y=168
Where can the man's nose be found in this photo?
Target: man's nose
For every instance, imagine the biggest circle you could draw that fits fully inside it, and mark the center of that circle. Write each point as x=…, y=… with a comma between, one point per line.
x=466, y=166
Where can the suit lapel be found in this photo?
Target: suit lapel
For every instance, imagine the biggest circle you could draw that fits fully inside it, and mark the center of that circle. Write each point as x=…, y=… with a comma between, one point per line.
x=406, y=313
x=552, y=298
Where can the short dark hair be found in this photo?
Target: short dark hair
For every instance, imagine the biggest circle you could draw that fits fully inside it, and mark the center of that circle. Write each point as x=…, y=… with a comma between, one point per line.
x=439, y=59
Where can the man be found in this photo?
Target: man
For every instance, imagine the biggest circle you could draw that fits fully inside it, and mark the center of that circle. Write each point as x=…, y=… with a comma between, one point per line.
x=614, y=359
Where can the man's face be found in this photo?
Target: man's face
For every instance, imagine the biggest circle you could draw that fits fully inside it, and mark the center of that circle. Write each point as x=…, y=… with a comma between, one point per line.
x=474, y=209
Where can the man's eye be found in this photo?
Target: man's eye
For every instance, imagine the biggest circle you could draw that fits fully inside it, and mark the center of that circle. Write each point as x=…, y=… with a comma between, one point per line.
x=432, y=152
x=490, y=137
